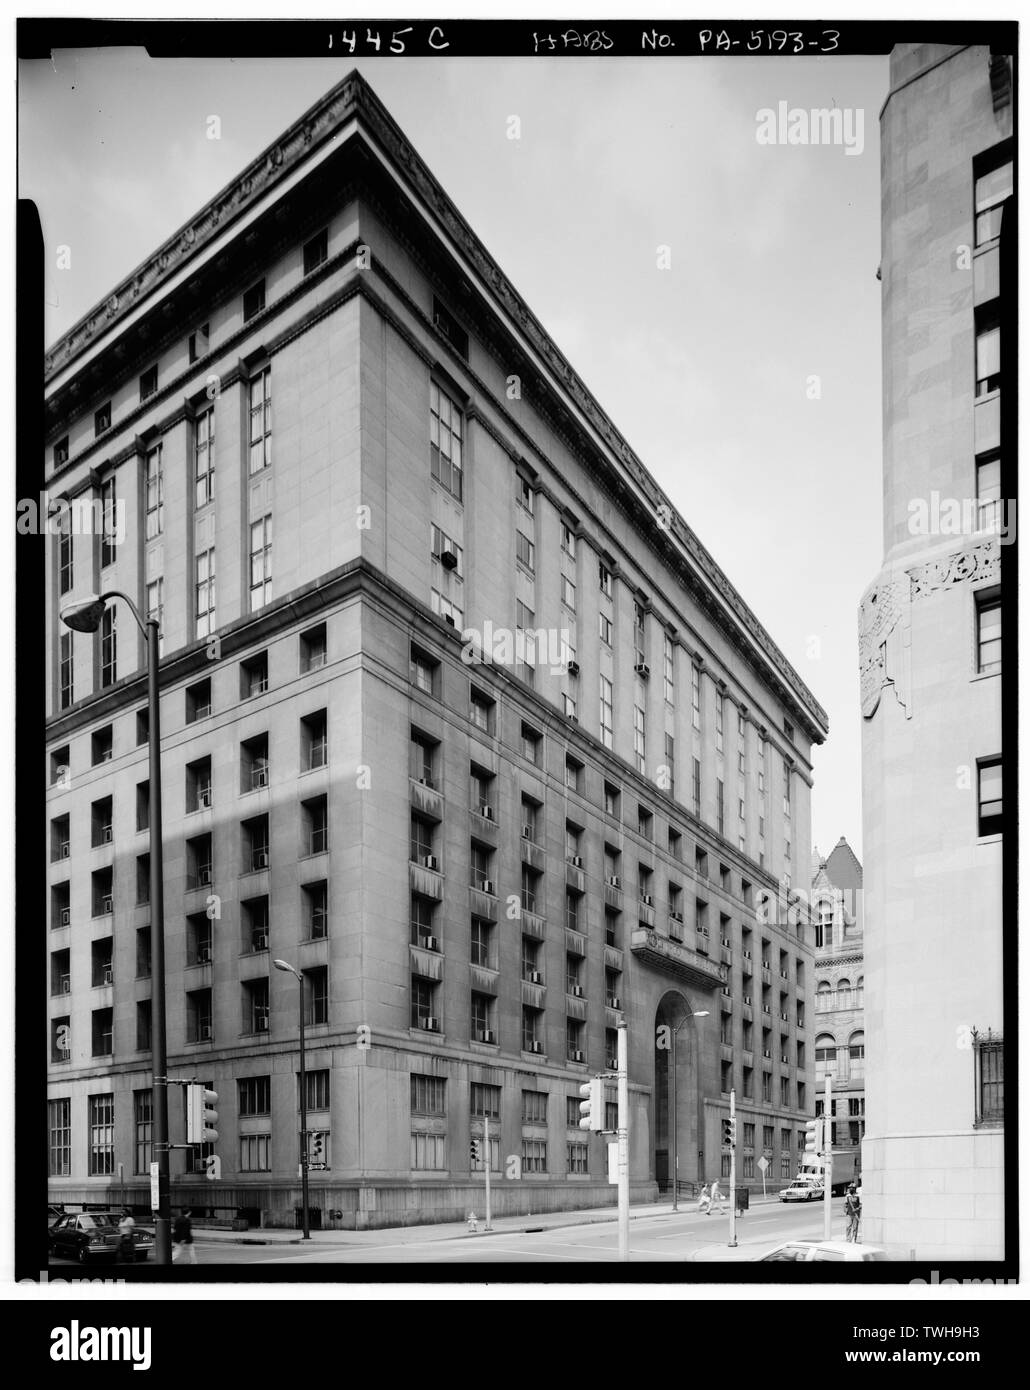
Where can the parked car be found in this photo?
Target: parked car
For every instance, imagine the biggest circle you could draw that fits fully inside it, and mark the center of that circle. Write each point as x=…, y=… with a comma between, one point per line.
x=822, y=1251
x=53, y=1215
x=803, y=1190
x=88, y=1235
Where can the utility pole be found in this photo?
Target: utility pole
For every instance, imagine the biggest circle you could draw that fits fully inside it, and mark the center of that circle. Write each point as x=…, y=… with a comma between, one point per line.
x=623, y=1093
x=827, y=1160
x=486, y=1168
x=733, y=1167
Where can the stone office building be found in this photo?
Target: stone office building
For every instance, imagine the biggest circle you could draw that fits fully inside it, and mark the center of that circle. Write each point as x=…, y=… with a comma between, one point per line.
x=931, y=658
x=459, y=718
x=837, y=924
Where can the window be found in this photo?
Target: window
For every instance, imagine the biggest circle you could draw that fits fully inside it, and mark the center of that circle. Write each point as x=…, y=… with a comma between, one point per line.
x=61, y=452
x=988, y=359
x=428, y=1095
x=103, y=900
x=988, y=632
x=254, y=763
x=316, y=909
x=109, y=521
x=199, y=939
x=525, y=551
x=988, y=489
x=255, y=844
x=720, y=806
x=102, y=419
x=156, y=609
x=102, y=816
x=66, y=677
x=695, y=696
x=531, y=742
x=255, y=1006
x=989, y=1078
x=142, y=879
x=669, y=669
x=59, y=1125
x=447, y=551
x=143, y=1130
x=446, y=324
x=313, y=648
x=198, y=785
x=147, y=388
x=314, y=740
x=990, y=193
x=568, y=593
x=604, y=579
x=481, y=710
x=101, y=1136
x=253, y=300
x=423, y=1015
x=198, y=701
x=255, y=1096
x=639, y=738
x=611, y=800
x=204, y=458
x=109, y=645
x=856, y=1056
x=59, y=766
x=531, y=883
x=316, y=824
x=103, y=1032
x=445, y=436
x=253, y=676
x=423, y=671
x=65, y=545
x=480, y=1020
x=578, y=1157
x=989, y=802
x=154, y=493
x=255, y=1153
x=720, y=708
x=316, y=1089
x=255, y=924
x=534, y=1107
x=199, y=342
x=260, y=562
x=605, y=630
x=261, y=420
x=316, y=251
x=568, y=540
x=316, y=995
x=607, y=714
x=481, y=944
x=428, y=1151
x=573, y=775
x=204, y=592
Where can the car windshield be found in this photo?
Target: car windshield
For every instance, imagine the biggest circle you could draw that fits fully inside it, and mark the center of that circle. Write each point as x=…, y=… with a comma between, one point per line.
x=97, y=1222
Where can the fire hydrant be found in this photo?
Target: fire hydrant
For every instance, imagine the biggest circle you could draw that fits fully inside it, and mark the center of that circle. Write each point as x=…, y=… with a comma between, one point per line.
x=473, y=1224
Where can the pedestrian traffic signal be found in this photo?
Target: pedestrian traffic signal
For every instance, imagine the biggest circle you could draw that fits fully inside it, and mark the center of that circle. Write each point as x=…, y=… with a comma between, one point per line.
x=201, y=1115
x=729, y=1133
x=591, y=1107
x=814, y=1136
x=474, y=1152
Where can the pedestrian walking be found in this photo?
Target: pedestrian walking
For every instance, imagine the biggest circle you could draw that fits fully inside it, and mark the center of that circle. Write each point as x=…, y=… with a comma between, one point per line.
x=716, y=1196
x=853, y=1211
x=125, y=1253
x=704, y=1201
x=182, y=1235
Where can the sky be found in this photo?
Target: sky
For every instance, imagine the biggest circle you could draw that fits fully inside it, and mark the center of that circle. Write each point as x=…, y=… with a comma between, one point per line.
x=745, y=372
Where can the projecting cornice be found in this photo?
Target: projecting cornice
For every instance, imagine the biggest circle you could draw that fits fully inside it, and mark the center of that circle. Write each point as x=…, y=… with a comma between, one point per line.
x=353, y=99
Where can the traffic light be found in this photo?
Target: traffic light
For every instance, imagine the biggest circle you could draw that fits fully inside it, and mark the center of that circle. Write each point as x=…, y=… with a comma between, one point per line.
x=729, y=1133
x=591, y=1107
x=814, y=1136
x=474, y=1152
x=317, y=1153
x=201, y=1116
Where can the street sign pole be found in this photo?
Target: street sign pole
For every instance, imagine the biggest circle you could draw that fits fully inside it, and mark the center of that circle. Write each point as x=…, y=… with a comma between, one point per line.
x=486, y=1167
x=827, y=1160
x=733, y=1167
x=623, y=1055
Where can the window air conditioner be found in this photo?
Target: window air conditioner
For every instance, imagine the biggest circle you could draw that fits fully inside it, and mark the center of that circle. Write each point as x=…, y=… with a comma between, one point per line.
x=535, y=977
x=449, y=620
x=487, y=812
x=204, y=1032
x=576, y=991
x=204, y=874
x=536, y=1046
x=260, y=942
x=204, y=798
x=66, y=916
x=425, y=782
x=430, y=861
x=488, y=1037
x=747, y=955
x=576, y=860
x=614, y=881
x=203, y=956
x=108, y=975
x=449, y=558
x=579, y=1056
x=66, y=849
x=260, y=777
x=488, y=886
x=747, y=999
x=766, y=1052
x=431, y=944
x=612, y=1063
x=647, y=900
x=615, y=1002
x=784, y=1017
x=431, y=1025
x=260, y=859
x=66, y=985
x=573, y=668
x=107, y=904
x=702, y=931
x=262, y=1024
x=642, y=669
x=727, y=942
x=108, y=834
x=527, y=832
x=676, y=916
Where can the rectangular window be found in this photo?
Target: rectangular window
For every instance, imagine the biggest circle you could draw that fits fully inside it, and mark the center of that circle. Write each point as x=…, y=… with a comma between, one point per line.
x=199, y=342
x=143, y=1130
x=988, y=632
x=989, y=804
x=604, y=579
x=147, y=388
x=314, y=740
x=316, y=824
x=61, y=452
x=991, y=191
x=65, y=572
x=316, y=910
x=261, y=421
x=316, y=251
x=154, y=493
x=578, y=1157
x=607, y=714
x=989, y=1060
x=525, y=551
x=423, y=671
x=988, y=359
x=428, y=1152
x=568, y=593
x=204, y=458
x=568, y=540
x=59, y=1115
x=988, y=490
x=66, y=674
x=446, y=324
x=109, y=645
x=447, y=551
x=696, y=786
x=695, y=697
x=720, y=709
x=102, y=419
x=316, y=997
x=156, y=608
x=534, y=1156
x=101, y=1136
x=255, y=1095
x=534, y=1107
x=260, y=563
x=605, y=629
x=445, y=440
x=109, y=517
x=669, y=670
x=255, y=1153
x=205, y=592
x=428, y=1095
x=639, y=739
x=253, y=300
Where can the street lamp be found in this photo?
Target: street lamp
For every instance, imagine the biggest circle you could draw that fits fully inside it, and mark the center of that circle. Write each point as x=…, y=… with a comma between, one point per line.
x=85, y=616
x=697, y=1013
x=305, y=1227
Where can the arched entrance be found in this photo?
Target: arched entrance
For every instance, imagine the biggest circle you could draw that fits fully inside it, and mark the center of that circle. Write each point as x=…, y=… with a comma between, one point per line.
x=675, y=1091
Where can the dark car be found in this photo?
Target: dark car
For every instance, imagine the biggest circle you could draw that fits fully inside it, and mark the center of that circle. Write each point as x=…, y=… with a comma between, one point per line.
x=89, y=1235
x=53, y=1215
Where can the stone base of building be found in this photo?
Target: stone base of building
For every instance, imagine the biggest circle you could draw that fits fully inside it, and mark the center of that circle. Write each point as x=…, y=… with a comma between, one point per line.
x=935, y=1196
x=358, y=1207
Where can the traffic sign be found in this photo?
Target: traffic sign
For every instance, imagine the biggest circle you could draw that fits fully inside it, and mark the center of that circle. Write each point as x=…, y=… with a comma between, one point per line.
x=155, y=1190
x=763, y=1164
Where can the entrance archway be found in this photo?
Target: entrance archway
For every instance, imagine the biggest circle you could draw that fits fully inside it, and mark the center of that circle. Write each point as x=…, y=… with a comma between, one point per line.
x=675, y=1091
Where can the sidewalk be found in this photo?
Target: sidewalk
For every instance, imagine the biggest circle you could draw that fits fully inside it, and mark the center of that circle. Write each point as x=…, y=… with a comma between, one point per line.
x=455, y=1230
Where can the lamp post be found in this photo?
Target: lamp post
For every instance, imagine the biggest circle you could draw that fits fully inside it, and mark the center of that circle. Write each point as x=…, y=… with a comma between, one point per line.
x=85, y=616
x=698, y=1013
x=305, y=1226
